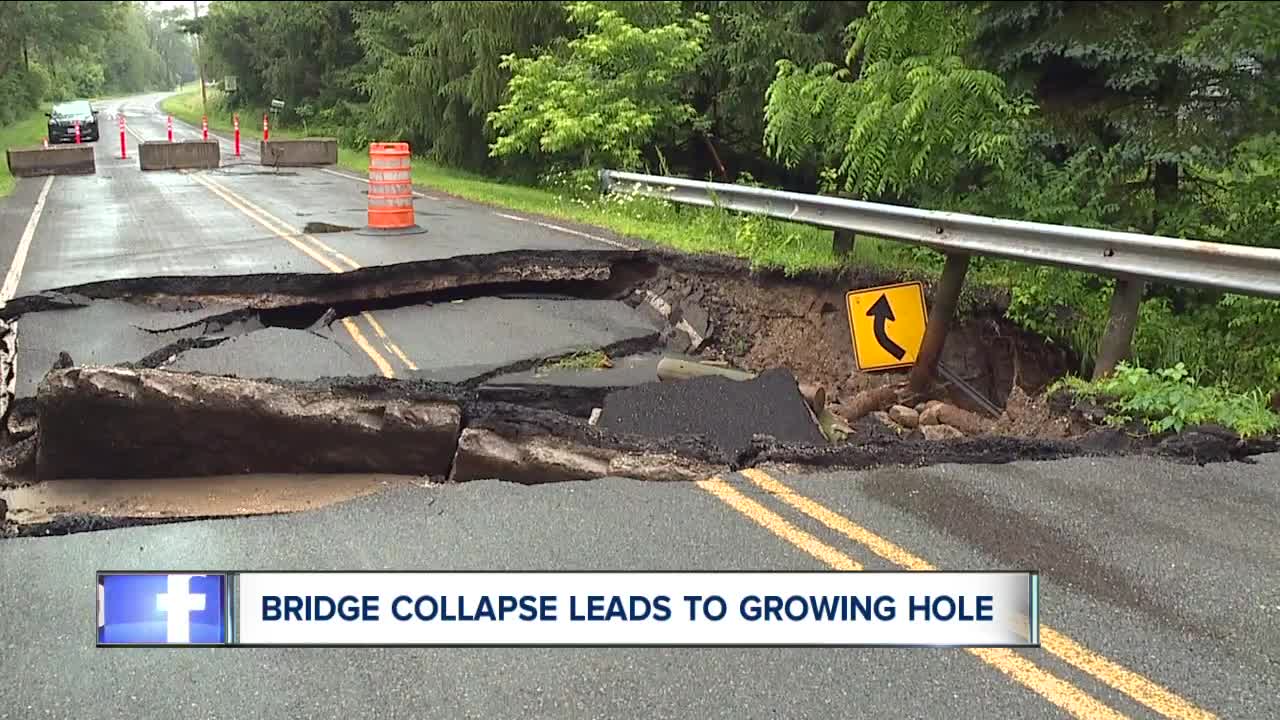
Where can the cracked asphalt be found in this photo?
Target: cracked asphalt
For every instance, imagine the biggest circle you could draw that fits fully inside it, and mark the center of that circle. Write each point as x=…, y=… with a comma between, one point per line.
x=1160, y=582
x=245, y=219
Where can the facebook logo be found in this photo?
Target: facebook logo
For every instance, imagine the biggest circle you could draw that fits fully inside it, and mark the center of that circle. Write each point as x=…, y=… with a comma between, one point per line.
x=161, y=609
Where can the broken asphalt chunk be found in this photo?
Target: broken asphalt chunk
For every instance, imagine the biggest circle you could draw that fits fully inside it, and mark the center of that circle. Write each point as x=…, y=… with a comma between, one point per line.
x=120, y=422
x=726, y=412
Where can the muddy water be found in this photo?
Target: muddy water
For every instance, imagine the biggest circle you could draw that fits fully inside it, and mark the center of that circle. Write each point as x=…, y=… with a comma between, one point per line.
x=186, y=497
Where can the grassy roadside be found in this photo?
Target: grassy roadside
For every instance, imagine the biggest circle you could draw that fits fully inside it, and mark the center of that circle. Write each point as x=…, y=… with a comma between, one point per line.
x=25, y=132
x=186, y=107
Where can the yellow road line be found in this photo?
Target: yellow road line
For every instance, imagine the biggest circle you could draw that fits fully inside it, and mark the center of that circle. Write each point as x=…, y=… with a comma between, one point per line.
x=381, y=362
x=837, y=522
x=280, y=228
x=1061, y=693
x=352, y=329
x=351, y=264
x=1070, y=698
x=283, y=229
x=777, y=525
x=395, y=349
x=391, y=344
x=221, y=192
x=1141, y=689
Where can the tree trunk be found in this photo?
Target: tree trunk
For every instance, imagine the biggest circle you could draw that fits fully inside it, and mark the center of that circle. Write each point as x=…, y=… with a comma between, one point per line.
x=715, y=156
x=1166, y=189
x=26, y=61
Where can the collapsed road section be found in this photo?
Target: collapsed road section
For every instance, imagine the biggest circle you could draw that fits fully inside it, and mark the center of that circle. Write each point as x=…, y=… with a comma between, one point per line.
x=529, y=366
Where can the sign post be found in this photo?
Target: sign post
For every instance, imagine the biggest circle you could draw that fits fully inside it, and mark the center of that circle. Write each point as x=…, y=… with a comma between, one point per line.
x=77, y=132
x=235, y=123
x=276, y=107
x=123, y=151
x=168, y=124
x=204, y=127
x=266, y=133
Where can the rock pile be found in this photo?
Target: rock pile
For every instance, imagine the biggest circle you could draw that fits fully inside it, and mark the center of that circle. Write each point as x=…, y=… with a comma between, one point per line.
x=678, y=306
x=935, y=420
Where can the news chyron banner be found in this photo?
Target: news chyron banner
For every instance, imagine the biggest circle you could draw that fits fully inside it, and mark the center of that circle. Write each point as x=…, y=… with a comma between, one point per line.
x=544, y=609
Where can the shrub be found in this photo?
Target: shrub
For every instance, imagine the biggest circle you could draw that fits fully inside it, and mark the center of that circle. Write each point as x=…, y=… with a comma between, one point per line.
x=1170, y=399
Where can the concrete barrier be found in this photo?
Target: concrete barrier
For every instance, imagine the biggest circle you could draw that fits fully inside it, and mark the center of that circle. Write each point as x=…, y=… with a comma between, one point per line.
x=298, y=153
x=186, y=155
x=55, y=160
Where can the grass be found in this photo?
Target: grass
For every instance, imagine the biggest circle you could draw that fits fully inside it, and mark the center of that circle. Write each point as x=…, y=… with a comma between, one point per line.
x=27, y=131
x=186, y=106
x=585, y=360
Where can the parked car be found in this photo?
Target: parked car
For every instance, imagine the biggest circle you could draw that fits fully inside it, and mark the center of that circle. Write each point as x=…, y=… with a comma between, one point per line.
x=62, y=122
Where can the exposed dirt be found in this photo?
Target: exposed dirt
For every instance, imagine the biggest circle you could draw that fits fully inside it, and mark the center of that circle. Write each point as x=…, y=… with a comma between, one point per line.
x=87, y=522
x=121, y=423
x=761, y=321
x=1030, y=416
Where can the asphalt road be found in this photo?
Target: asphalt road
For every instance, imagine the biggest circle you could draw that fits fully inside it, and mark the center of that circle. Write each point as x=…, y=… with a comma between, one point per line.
x=1184, y=596
x=1160, y=582
x=124, y=223
x=246, y=219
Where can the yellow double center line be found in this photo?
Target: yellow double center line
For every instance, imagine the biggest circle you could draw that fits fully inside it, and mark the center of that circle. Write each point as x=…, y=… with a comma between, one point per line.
x=1061, y=693
x=329, y=258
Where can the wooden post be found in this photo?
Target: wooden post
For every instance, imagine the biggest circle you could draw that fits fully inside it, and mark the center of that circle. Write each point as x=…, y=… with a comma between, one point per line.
x=935, y=334
x=1116, y=342
x=842, y=242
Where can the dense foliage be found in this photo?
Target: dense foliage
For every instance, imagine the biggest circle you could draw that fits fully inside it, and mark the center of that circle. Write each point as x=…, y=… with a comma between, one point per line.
x=615, y=89
x=1170, y=400
x=59, y=50
x=1147, y=116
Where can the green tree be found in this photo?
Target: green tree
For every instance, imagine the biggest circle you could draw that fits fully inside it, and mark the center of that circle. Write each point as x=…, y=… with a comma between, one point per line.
x=912, y=118
x=51, y=49
x=165, y=35
x=745, y=41
x=608, y=93
x=435, y=69
x=129, y=62
x=1142, y=82
x=304, y=53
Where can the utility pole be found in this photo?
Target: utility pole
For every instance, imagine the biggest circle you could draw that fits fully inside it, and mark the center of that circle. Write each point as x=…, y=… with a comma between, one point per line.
x=204, y=99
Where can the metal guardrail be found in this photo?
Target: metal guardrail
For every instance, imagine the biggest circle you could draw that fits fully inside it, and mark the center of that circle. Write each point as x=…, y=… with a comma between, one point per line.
x=1132, y=258
x=1234, y=268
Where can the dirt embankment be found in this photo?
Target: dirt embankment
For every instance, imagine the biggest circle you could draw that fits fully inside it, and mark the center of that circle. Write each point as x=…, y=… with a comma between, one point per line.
x=762, y=321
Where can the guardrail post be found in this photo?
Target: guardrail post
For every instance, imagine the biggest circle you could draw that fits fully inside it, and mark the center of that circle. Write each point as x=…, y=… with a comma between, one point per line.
x=945, y=300
x=1123, y=319
x=842, y=242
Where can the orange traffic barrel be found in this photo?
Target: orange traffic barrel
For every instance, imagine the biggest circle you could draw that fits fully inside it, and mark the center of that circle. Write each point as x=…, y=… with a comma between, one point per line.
x=390, y=186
